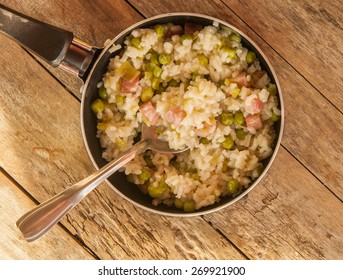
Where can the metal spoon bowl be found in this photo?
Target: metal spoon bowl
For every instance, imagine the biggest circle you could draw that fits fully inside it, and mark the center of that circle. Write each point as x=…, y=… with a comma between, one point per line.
x=40, y=219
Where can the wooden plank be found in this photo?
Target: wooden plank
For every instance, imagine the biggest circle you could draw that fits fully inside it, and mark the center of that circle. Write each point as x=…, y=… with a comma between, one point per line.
x=309, y=116
x=43, y=151
x=250, y=236
x=310, y=37
x=288, y=216
x=55, y=245
x=313, y=126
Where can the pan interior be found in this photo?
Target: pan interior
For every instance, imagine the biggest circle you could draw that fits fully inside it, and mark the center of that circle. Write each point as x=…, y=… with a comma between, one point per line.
x=88, y=119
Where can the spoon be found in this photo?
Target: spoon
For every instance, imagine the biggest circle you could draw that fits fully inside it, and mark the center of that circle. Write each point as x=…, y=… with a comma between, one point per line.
x=43, y=217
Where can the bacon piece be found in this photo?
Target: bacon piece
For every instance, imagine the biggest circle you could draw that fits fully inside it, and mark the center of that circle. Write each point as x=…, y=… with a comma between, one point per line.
x=149, y=112
x=253, y=105
x=241, y=79
x=130, y=85
x=191, y=27
x=253, y=121
x=175, y=116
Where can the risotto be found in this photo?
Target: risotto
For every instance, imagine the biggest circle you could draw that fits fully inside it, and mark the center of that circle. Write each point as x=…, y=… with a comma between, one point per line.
x=201, y=89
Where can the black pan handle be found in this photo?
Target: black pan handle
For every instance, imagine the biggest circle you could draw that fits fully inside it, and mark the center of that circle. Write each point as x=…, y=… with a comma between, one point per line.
x=56, y=46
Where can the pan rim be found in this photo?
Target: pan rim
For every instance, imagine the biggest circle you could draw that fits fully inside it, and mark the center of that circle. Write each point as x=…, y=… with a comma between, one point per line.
x=281, y=104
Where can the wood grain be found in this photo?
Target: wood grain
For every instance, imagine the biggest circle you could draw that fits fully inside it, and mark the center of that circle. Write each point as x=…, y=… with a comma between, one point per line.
x=316, y=55
x=288, y=216
x=304, y=122
x=305, y=130
x=309, y=117
x=13, y=246
x=44, y=153
x=91, y=21
x=295, y=213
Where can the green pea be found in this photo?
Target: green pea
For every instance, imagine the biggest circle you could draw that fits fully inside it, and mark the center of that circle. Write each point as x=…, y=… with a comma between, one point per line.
x=97, y=106
x=235, y=37
x=178, y=203
x=155, y=83
x=149, y=67
x=147, y=94
x=240, y=133
x=162, y=184
x=272, y=89
x=144, y=176
x=186, y=37
x=159, y=29
x=251, y=57
x=157, y=190
x=275, y=117
x=154, y=59
x=102, y=93
x=164, y=58
x=228, y=143
x=203, y=60
x=232, y=186
x=157, y=72
x=239, y=118
x=136, y=42
x=204, y=140
x=231, y=53
x=226, y=118
x=189, y=206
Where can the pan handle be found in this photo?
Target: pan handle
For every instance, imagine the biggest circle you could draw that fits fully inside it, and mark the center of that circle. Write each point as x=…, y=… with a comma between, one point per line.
x=56, y=46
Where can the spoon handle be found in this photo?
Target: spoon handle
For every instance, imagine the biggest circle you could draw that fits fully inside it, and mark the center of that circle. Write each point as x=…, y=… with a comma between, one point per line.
x=40, y=219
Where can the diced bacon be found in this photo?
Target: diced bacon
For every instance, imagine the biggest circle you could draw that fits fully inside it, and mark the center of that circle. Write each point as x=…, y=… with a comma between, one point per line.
x=149, y=112
x=253, y=121
x=130, y=85
x=253, y=105
x=191, y=27
x=174, y=30
x=241, y=79
x=175, y=116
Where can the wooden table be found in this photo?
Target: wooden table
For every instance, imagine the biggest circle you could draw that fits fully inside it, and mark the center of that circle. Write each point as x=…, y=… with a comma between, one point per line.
x=296, y=212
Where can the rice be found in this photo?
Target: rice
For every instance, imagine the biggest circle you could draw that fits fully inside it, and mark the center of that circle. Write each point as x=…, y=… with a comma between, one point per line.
x=202, y=90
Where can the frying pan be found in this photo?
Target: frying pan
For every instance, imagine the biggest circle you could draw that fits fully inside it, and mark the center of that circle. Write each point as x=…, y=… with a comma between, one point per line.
x=60, y=48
